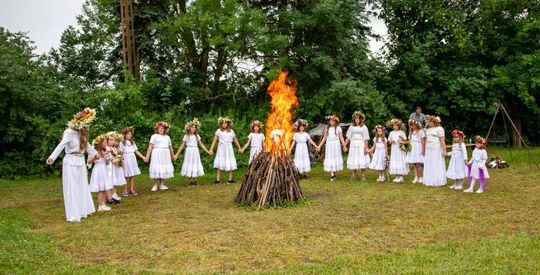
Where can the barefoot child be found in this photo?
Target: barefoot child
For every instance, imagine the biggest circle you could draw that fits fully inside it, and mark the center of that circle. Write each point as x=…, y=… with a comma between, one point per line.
x=225, y=159
x=380, y=152
x=457, y=168
x=131, y=168
x=192, y=166
x=160, y=152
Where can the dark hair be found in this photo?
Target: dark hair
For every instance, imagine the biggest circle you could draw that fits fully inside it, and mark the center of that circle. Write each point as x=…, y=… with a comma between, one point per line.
x=418, y=107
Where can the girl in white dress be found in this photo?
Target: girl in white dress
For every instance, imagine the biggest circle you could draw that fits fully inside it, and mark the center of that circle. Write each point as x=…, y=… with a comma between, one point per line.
x=192, y=166
x=130, y=152
x=478, y=167
x=256, y=139
x=380, y=152
x=225, y=159
x=333, y=136
x=160, y=153
x=434, y=153
x=100, y=182
x=77, y=197
x=301, y=151
x=116, y=164
x=396, y=138
x=417, y=136
x=358, y=136
x=457, y=168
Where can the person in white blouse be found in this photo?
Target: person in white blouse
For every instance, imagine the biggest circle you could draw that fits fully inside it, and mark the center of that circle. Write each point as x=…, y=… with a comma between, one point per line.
x=417, y=136
x=225, y=159
x=478, y=167
x=301, y=150
x=192, y=166
x=255, y=139
x=77, y=197
x=160, y=152
x=333, y=137
x=434, y=152
x=457, y=167
x=358, y=136
x=396, y=138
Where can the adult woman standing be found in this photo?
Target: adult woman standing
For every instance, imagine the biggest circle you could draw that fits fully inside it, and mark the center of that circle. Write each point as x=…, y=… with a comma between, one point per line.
x=434, y=150
x=77, y=197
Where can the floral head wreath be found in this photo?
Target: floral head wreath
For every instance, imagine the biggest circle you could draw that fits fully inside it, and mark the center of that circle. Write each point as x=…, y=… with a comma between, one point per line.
x=434, y=119
x=226, y=119
x=195, y=122
x=99, y=139
x=459, y=133
x=481, y=140
x=161, y=124
x=82, y=122
x=379, y=127
x=414, y=122
x=115, y=135
x=332, y=117
x=299, y=122
x=255, y=123
x=129, y=129
x=393, y=121
x=358, y=114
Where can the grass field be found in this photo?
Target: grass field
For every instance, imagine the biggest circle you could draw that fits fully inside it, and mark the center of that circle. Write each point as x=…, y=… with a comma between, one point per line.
x=343, y=227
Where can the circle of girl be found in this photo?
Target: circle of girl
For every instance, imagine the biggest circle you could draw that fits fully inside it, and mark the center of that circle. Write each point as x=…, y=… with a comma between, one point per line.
x=114, y=155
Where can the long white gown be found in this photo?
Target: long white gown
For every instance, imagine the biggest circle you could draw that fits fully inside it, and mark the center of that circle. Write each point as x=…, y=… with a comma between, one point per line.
x=456, y=167
x=434, y=165
x=357, y=158
x=192, y=166
x=398, y=166
x=301, y=152
x=333, y=160
x=77, y=197
x=225, y=159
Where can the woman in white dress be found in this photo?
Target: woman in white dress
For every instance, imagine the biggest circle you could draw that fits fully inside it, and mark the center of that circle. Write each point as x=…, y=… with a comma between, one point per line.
x=396, y=138
x=380, y=152
x=116, y=164
x=457, y=167
x=77, y=197
x=301, y=151
x=225, y=159
x=100, y=181
x=192, y=166
x=358, y=136
x=160, y=153
x=333, y=136
x=434, y=153
x=255, y=139
x=417, y=136
x=130, y=152
x=478, y=167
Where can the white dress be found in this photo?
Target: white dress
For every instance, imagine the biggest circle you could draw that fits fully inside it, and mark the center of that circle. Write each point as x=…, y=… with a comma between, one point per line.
x=479, y=159
x=357, y=158
x=456, y=167
x=225, y=159
x=398, y=166
x=161, y=166
x=434, y=165
x=415, y=155
x=117, y=172
x=130, y=166
x=378, y=162
x=77, y=197
x=192, y=166
x=256, y=145
x=100, y=180
x=301, y=152
x=333, y=160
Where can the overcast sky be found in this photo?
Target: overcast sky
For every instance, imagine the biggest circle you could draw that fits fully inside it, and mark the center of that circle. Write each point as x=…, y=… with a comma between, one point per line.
x=45, y=20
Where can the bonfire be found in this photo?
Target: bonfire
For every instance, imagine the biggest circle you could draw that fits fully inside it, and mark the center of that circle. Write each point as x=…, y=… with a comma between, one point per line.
x=272, y=178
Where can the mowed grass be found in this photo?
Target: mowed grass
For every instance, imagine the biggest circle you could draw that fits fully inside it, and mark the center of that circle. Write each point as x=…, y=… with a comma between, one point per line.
x=343, y=227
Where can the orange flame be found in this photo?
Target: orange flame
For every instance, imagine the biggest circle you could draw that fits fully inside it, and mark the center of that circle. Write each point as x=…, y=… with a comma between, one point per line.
x=279, y=126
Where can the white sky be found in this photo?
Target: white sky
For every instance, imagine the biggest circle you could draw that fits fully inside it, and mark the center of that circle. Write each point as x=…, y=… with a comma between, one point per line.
x=45, y=20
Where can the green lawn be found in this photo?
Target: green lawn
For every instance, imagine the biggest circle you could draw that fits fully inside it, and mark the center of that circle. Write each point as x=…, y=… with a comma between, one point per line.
x=344, y=227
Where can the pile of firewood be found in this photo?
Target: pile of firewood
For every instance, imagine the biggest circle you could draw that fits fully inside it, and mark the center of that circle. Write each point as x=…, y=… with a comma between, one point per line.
x=271, y=180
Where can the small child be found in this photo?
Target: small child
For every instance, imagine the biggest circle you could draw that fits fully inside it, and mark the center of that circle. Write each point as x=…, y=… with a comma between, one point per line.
x=457, y=168
x=301, y=151
x=333, y=136
x=256, y=139
x=380, y=152
x=192, y=166
x=130, y=152
x=161, y=151
x=396, y=138
x=358, y=136
x=225, y=159
x=477, y=165
x=100, y=182
x=417, y=136
x=116, y=164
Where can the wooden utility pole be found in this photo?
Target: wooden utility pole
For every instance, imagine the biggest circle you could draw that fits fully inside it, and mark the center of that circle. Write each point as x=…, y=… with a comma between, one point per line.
x=131, y=59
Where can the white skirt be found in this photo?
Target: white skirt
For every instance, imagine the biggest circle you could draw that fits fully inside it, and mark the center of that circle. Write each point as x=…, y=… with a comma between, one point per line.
x=378, y=162
x=398, y=166
x=161, y=166
x=253, y=152
x=100, y=180
x=77, y=197
x=357, y=159
x=415, y=155
x=475, y=171
x=434, y=167
x=192, y=166
x=118, y=178
x=130, y=166
x=301, y=158
x=456, y=168
x=333, y=160
x=225, y=160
